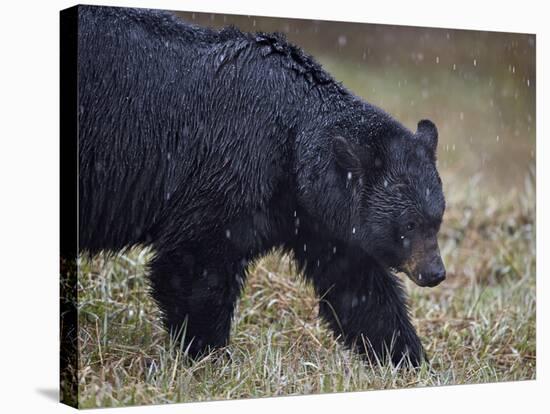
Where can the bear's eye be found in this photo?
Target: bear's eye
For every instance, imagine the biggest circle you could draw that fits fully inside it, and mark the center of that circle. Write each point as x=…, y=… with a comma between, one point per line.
x=411, y=226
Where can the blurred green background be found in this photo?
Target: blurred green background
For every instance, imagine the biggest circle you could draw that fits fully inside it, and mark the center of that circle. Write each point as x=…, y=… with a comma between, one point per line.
x=478, y=87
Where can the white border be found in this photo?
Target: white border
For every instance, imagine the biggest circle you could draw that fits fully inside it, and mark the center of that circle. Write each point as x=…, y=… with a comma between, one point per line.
x=29, y=203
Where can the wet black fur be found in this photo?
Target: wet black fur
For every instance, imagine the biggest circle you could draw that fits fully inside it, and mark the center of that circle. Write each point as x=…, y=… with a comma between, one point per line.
x=215, y=147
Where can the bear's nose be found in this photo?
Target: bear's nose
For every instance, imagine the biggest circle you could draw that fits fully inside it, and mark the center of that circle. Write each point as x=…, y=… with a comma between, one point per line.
x=436, y=278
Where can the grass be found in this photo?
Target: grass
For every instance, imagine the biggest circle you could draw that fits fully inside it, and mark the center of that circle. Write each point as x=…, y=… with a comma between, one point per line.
x=478, y=326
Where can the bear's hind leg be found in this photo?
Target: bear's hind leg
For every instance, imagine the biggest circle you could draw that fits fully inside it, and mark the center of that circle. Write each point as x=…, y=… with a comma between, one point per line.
x=197, y=300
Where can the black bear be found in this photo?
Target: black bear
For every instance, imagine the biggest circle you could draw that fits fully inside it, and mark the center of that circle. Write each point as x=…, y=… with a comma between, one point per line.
x=216, y=147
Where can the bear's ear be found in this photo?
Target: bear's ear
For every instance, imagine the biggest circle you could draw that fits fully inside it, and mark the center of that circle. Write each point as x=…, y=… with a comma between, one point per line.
x=427, y=132
x=345, y=155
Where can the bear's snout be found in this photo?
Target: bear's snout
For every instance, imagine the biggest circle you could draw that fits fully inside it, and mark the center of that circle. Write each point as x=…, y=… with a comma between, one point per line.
x=432, y=274
x=432, y=279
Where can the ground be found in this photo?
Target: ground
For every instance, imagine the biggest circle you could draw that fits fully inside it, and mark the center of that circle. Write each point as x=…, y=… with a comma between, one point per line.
x=478, y=326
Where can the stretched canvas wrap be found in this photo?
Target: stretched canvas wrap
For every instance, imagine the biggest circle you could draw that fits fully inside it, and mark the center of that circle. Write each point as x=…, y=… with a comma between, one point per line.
x=256, y=206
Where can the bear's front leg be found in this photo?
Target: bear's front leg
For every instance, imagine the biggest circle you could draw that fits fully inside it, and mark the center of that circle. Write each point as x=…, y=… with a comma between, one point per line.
x=366, y=305
x=196, y=296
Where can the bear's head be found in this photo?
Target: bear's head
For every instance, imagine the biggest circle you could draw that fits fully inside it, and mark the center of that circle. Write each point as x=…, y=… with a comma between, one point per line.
x=380, y=189
x=397, y=197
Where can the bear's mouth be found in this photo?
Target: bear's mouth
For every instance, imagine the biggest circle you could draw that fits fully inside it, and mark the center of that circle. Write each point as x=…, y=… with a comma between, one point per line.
x=417, y=278
x=424, y=282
